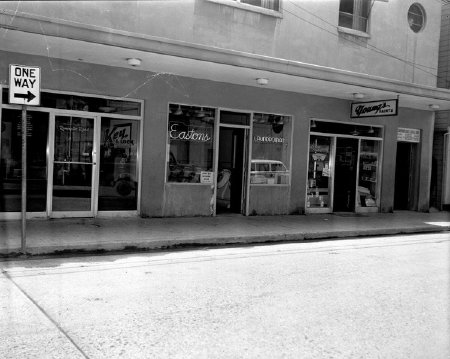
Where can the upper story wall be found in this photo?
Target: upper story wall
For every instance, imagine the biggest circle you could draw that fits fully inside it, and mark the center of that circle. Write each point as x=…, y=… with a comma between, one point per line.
x=303, y=30
x=444, y=49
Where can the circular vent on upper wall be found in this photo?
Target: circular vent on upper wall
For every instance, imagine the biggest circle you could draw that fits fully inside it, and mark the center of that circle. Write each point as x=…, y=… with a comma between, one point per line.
x=416, y=17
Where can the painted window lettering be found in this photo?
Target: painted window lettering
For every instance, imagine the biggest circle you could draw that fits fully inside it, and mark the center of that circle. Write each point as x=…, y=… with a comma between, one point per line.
x=190, y=132
x=189, y=135
x=119, y=134
x=73, y=128
x=268, y=139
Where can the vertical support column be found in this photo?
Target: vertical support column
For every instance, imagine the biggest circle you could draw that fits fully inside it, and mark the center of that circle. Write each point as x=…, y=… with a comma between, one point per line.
x=445, y=203
x=24, y=179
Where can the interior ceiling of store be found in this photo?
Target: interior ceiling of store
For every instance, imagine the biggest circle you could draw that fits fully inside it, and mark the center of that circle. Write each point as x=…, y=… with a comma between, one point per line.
x=88, y=52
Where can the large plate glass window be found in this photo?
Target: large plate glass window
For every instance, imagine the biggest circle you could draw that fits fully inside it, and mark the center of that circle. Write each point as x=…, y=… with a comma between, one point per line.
x=319, y=173
x=368, y=173
x=270, y=150
x=11, y=161
x=118, y=182
x=190, y=144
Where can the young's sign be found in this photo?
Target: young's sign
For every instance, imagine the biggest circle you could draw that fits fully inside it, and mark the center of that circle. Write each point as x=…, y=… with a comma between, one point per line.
x=24, y=85
x=374, y=109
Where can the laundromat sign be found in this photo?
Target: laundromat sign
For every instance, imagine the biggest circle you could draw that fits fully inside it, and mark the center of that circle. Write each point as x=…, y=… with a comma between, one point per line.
x=374, y=109
x=408, y=135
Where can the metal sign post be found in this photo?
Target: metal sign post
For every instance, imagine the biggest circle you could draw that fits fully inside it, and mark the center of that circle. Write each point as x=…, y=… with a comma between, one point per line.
x=24, y=180
x=25, y=90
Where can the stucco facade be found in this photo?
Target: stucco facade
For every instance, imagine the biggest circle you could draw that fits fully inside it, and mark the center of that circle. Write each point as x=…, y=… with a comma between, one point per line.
x=304, y=31
x=215, y=42
x=440, y=187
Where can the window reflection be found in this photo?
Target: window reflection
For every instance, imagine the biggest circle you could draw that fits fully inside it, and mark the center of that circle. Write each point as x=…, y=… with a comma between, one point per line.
x=11, y=161
x=346, y=129
x=85, y=103
x=368, y=172
x=73, y=139
x=318, y=187
x=72, y=171
x=118, y=165
x=270, y=149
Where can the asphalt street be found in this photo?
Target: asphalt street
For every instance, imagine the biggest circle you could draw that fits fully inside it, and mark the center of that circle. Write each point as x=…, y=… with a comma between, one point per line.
x=385, y=297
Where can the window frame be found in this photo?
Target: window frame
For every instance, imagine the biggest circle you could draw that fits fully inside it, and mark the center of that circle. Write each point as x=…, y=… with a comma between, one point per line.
x=358, y=6
x=53, y=111
x=168, y=152
x=254, y=161
x=334, y=135
x=253, y=8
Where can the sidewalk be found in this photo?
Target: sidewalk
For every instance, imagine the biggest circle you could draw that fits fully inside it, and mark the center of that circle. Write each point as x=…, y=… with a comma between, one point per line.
x=66, y=235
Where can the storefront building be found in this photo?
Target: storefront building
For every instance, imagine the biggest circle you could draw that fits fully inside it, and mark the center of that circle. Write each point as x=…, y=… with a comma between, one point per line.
x=440, y=184
x=101, y=155
x=189, y=130
x=81, y=159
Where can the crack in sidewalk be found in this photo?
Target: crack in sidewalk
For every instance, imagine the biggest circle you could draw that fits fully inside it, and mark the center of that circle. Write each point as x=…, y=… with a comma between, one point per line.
x=44, y=312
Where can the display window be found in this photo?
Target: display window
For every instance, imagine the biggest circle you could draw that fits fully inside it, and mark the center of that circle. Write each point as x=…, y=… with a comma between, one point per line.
x=319, y=173
x=368, y=174
x=119, y=143
x=11, y=161
x=190, y=144
x=270, y=163
x=343, y=167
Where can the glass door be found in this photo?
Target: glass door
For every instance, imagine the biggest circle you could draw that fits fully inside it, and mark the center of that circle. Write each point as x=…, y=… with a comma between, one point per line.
x=73, y=167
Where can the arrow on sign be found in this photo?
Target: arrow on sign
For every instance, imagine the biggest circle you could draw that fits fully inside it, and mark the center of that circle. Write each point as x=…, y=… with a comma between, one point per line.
x=28, y=96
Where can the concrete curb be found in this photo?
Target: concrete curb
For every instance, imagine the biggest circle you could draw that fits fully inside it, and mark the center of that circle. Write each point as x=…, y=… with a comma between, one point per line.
x=164, y=243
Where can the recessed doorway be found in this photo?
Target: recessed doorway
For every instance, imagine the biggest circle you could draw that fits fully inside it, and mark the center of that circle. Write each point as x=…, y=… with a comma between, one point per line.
x=232, y=163
x=405, y=177
x=345, y=174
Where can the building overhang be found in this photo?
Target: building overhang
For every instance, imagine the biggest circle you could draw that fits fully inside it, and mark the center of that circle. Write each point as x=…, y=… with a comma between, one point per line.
x=56, y=38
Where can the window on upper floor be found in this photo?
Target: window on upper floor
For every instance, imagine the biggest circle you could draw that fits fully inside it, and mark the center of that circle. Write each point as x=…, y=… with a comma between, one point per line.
x=354, y=14
x=266, y=4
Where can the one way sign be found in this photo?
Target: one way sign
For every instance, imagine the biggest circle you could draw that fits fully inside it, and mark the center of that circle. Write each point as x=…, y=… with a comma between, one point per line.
x=25, y=85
